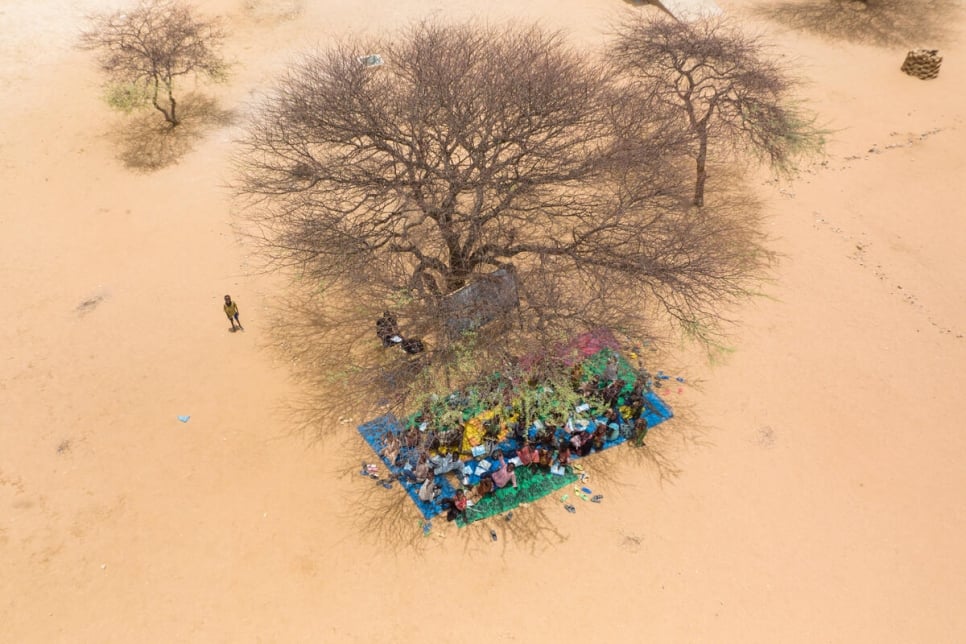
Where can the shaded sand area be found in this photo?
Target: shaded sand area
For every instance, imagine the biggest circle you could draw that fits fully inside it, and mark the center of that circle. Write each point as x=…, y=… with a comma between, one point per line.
x=817, y=497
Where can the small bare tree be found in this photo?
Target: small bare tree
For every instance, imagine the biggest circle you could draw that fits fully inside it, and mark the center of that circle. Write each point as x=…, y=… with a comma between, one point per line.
x=154, y=44
x=472, y=150
x=730, y=95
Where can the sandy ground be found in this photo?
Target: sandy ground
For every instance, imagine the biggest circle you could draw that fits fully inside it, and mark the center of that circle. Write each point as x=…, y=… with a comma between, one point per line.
x=815, y=495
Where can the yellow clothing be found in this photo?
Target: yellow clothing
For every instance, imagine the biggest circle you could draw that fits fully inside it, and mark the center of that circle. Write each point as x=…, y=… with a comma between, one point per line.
x=231, y=310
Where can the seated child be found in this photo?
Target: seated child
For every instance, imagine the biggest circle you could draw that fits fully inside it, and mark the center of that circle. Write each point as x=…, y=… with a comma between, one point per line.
x=528, y=455
x=390, y=447
x=447, y=463
x=599, y=436
x=545, y=458
x=485, y=487
x=505, y=474
x=423, y=470
x=411, y=437
x=563, y=455
x=428, y=490
x=583, y=442
x=455, y=507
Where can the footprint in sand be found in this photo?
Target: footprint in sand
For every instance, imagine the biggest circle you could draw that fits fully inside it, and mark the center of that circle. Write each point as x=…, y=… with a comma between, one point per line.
x=765, y=437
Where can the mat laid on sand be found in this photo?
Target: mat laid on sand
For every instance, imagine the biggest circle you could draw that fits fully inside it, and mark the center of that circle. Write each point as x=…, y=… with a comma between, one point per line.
x=531, y=485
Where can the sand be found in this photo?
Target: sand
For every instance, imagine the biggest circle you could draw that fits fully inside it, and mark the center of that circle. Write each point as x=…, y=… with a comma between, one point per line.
x=810, y=491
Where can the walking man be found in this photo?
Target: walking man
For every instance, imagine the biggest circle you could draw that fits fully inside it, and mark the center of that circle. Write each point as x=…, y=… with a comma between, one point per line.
x=231, y=310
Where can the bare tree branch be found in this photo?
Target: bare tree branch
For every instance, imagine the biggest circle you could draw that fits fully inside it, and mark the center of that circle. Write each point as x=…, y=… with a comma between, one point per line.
x=730, y=95
x=473, y=149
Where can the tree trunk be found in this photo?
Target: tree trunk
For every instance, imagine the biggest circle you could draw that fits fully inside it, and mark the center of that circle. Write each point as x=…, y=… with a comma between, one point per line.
x=174, y=117
x=169, y=115
x=455, y=281
x=459, y=265
x=702, y=172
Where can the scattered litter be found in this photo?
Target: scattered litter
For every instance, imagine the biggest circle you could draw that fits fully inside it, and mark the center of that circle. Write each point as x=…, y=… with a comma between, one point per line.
x=372, y=60
x=184, y=419
x=564, y=498
x=571, y=509
x=679, y=379
x=586, y=490
x=509, y=515
x=387, y=483
x=582, y=496
x=493, y=535
x=427, y=526
x=597, y=498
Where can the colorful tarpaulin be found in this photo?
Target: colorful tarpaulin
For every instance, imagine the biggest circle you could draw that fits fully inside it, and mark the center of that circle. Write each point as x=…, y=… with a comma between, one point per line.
x=531, y=484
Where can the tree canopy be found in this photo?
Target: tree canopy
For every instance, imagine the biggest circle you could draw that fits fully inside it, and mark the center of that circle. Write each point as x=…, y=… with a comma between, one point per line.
x=729, y=94
x=474, y=149
x=152, y=45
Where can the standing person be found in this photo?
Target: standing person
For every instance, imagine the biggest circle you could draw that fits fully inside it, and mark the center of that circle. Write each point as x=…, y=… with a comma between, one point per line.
x=231, y=310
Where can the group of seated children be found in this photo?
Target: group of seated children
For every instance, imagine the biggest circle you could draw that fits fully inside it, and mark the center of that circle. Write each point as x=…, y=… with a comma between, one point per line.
x=504, y=475
x=545, y=453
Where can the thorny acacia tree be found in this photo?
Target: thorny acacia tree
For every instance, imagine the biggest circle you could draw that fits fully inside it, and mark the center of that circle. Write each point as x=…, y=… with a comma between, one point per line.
x=730, y=95
x=474, y=149
x=154, y=44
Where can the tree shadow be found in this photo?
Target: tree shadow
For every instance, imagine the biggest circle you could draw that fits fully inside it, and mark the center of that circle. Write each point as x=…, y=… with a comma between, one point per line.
x=876, y=22
x=390, y=520
x=328, y=361
x=146, y=142
x=659, y=456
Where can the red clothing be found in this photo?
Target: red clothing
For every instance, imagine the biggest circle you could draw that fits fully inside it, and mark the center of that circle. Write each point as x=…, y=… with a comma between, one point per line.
x=460, y=503
x=527, y=455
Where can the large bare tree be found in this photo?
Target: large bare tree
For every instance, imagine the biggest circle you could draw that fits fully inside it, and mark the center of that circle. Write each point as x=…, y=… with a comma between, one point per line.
x=729, y=93
x=154, y=44
x=472, y=150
